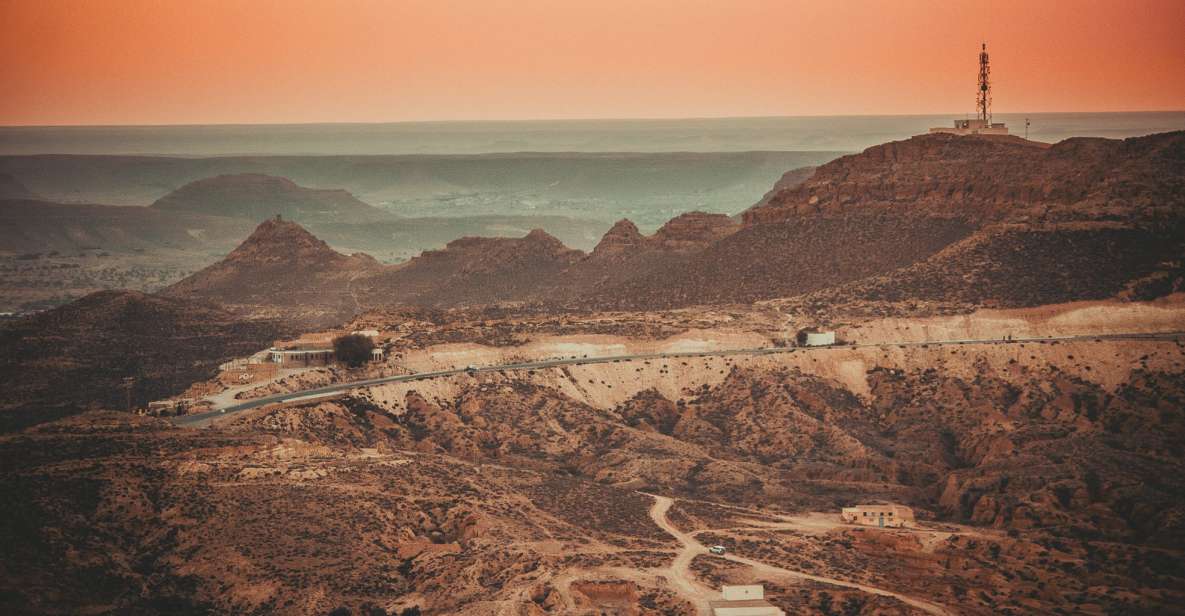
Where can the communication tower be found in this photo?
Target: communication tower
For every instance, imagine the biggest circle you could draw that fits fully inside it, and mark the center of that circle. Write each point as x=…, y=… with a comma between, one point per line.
x=982, y=124
x=984, y=101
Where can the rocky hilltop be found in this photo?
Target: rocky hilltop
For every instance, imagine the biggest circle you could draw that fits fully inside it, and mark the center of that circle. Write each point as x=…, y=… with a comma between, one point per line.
x=685, y=233
x=256, y=197
x=474, y=270
x=281, y=269
x=996, y=178
x=904, y=203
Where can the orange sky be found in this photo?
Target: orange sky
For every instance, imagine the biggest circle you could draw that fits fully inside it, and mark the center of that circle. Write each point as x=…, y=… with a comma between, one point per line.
x=225, y=61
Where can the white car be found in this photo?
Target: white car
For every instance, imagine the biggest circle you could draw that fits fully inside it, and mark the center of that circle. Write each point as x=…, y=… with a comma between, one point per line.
x=717, y=549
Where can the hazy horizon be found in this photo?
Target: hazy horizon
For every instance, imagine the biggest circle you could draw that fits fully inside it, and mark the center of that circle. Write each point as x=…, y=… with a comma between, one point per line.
x=696, y=135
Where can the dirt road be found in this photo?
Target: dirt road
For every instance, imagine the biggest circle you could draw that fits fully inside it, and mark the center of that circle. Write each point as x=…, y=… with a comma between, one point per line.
x=680, y=576
x=678, y=573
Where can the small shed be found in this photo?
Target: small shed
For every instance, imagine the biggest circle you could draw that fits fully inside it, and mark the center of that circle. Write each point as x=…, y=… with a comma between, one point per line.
x=813, y=336
x=747, y=600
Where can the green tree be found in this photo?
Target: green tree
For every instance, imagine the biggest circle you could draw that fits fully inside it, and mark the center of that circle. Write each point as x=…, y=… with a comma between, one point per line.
x=353, y=349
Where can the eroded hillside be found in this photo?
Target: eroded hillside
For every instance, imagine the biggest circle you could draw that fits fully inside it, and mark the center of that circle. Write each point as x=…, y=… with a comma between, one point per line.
x=1044, y=474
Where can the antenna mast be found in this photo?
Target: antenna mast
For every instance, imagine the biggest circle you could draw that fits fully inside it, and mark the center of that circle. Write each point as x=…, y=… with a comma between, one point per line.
x=983, y=103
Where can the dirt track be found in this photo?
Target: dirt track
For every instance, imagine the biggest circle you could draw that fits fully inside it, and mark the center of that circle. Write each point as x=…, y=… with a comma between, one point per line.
x=681, y=578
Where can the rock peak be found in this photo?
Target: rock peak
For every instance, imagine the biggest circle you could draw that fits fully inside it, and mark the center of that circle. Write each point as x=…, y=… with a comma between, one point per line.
x=277, y=240
x=622, y=237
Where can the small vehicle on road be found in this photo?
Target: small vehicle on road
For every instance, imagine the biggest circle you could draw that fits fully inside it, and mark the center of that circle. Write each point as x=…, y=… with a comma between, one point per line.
x=470, y=368
x=718, y=549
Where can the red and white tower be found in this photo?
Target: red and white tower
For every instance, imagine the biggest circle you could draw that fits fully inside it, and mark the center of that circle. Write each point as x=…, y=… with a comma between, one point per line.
x=983, y=103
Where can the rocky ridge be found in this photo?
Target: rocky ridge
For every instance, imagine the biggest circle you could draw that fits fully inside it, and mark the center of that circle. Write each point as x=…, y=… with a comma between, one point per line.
x=996, y=179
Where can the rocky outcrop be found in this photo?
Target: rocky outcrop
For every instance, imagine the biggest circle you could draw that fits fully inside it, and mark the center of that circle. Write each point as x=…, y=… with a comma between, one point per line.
x=281, y=270
x=623, y=238
x=789, y=180
x=472, y=271
x=693, y=231
x=683, y=234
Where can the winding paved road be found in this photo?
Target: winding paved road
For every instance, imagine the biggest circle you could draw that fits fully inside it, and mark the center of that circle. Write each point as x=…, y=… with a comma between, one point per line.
x=203, y=419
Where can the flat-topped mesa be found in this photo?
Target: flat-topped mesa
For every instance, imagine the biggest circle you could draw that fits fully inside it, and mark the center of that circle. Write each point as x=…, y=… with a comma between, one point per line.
x=256, y=196
x=987, y=178
x=495, y=251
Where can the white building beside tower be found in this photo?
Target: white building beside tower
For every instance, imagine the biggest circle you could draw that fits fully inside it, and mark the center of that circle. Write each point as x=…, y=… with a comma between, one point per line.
x=982, y=124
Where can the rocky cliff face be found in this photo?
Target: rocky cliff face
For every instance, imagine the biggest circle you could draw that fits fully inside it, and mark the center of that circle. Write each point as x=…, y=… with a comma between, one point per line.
x=257, y=197
x=790, y=180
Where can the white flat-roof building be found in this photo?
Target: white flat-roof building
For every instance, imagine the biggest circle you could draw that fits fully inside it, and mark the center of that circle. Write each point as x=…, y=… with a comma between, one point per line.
x=973, y=127
x=746, y=600
x=303, y=357
x=812, y=337
x=882, y=516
